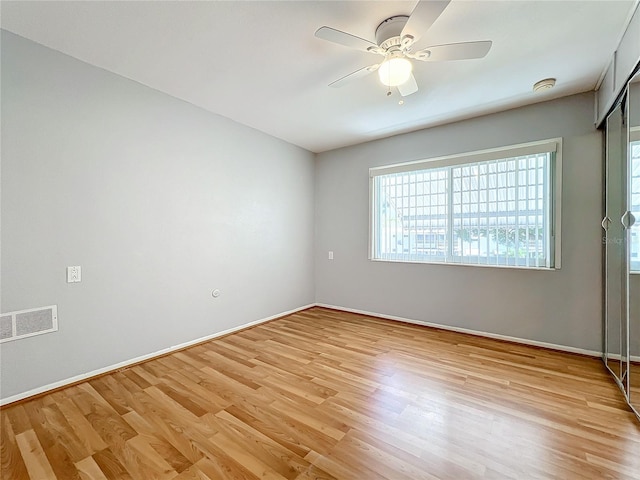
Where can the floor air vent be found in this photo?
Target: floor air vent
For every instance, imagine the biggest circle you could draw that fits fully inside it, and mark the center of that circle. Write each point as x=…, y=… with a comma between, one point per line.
x=27, y=323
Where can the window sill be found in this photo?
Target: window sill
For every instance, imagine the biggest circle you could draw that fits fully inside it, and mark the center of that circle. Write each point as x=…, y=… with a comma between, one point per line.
x=507, y=267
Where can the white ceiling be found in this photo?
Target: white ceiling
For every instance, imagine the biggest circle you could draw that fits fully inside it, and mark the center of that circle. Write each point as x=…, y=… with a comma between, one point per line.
x=259, y=63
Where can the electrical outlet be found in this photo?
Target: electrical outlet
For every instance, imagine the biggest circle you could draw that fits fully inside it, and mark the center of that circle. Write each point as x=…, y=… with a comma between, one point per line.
x=74, y=274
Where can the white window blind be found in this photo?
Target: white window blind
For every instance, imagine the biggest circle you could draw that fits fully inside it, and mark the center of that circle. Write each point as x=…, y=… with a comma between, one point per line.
x=497, y=207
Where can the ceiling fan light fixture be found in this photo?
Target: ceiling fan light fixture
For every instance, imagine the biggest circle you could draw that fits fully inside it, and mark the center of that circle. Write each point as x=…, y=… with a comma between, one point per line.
x=395, y=71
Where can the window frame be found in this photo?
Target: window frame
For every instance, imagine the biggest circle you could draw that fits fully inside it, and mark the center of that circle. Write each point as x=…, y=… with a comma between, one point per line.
x=500, y=153
x=634, y=137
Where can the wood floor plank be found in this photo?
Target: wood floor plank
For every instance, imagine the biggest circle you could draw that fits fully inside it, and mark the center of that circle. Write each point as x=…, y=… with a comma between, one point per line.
x=241, y=456
x=116, y=402
x=193, y=473
x=134, y=377
x=110, y=426
x=89, y=469
x=110, y=465
x=344, y=468
x=322, y=394
x=146, y=462
x=270, y=427
x=171, y=431
x=174, y=458
x=11, y=458
x=63, y=434
x=205, y=398
x=184, y=400
x=34, y=457
x=271, y=453
x=173, y=411
x=395, y=463
x=219, y=468
x=18, y=418
x=315, y=473
x=55, y=438
x=83, y=429
x=61, y=462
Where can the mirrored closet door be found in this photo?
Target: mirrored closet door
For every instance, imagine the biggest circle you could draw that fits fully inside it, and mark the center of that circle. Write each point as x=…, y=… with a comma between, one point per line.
x=622, y=244
x=615, y=300
x=633, y=103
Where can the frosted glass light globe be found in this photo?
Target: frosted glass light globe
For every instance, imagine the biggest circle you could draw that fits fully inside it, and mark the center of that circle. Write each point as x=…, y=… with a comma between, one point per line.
x=395, y=71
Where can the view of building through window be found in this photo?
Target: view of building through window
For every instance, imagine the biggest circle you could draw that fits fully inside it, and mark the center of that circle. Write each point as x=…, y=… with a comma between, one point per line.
x=635, y=207
x=495, y=212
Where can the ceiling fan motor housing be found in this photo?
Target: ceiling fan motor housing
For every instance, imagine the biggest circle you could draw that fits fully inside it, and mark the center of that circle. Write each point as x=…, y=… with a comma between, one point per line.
x=389, y=31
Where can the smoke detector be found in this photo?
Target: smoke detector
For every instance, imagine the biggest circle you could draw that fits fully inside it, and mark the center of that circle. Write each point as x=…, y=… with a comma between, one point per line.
x=546, y=84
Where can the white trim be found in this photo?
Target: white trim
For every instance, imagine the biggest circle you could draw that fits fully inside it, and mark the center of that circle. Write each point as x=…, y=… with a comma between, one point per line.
x=616, y=356
x=626, y=24
x=117, y=366
x=604, y=72
x=372, y=221
x=554, y=181
x=499, y=153
x=523, y=341
x=149, y=356
x=458, y=264
x=556, y=224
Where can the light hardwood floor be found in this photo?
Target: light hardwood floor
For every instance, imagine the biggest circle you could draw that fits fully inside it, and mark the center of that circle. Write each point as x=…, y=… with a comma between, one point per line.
x=323, y=394
x=634, y=385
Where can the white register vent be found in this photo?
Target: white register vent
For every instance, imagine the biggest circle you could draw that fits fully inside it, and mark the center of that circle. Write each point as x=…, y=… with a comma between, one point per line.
x=27, y=323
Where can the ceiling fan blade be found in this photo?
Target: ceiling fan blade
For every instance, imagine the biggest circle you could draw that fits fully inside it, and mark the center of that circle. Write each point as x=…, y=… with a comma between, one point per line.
x=453, y=51
x=408, y=87
x=425, y=13
x=346, y=39
x=363, y=72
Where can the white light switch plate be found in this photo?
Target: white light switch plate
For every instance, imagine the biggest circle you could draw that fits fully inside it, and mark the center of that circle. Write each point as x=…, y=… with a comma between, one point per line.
x=74, y=274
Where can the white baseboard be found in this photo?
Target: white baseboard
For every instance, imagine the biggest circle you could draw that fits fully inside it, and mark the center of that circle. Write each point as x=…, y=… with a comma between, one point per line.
x=117, y=366
x=126, y=363
x=633, y=358
x=552, y=346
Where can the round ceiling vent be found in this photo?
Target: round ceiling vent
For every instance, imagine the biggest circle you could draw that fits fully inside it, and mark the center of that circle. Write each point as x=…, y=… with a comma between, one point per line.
x=545, y=84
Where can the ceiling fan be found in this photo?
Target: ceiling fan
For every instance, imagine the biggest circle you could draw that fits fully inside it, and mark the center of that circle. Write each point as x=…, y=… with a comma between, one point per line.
x=395, y=41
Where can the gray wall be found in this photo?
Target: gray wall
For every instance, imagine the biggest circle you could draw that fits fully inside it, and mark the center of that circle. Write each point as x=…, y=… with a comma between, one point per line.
x=159, y=202
x=561, y=307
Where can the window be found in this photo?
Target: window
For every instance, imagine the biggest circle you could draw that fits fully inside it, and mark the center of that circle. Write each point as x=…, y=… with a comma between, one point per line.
x=634, y=243
x=495, y=207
